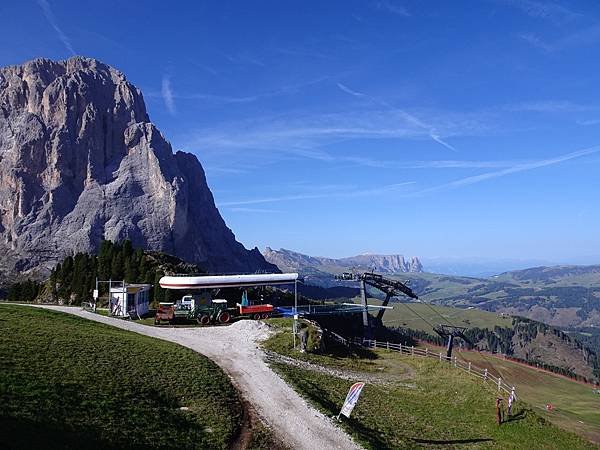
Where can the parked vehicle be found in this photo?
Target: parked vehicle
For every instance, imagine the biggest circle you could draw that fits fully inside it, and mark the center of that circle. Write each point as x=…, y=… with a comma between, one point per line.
x=165, y=312
x=256, y=311
x=206, y=311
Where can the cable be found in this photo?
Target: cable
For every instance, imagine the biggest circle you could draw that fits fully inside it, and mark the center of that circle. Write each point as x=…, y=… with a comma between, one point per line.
x=476, y=349
x=418, y=315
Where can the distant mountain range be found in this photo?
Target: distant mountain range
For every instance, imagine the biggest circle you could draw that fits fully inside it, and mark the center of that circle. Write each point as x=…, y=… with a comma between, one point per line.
x=288, y=260
x=563, y=296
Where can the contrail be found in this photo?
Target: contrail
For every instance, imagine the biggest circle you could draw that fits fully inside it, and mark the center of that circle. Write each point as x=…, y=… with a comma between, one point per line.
x=52, y=21
x=409, y=117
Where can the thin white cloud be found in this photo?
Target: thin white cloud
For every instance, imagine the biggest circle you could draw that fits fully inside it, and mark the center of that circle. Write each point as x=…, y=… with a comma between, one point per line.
x=549, y=106
x=582, y=37
x=225, y=99
x=554, y=12
x=433, y=133
x=54, y=24
x=347, y=193
x=589, y=122
x=523, y=167
x=393, y=7
x=167, y=95
x=252, y=210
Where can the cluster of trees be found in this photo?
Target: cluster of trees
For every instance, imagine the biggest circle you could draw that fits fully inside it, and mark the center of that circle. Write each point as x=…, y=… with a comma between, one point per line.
x=24, y=291
x=73, y=280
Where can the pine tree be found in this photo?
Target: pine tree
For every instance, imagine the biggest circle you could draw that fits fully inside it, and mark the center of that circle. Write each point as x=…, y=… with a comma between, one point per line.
x=117, y=267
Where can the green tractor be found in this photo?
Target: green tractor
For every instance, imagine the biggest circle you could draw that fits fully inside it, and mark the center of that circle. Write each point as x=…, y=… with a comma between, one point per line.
x=216, y=311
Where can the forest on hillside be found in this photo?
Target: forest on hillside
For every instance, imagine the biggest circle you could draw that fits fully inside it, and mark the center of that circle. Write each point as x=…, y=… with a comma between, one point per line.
x=502, y=340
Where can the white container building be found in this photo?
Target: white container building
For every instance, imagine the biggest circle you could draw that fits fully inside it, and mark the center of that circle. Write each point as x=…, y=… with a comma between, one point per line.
x=130, y=300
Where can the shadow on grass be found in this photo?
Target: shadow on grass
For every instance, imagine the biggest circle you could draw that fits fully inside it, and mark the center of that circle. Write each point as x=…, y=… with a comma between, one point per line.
x=519, y=416
x=20, y=433
x=451, y=441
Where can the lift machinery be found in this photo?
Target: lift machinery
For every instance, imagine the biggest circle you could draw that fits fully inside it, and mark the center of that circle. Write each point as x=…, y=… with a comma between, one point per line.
x=391, y=288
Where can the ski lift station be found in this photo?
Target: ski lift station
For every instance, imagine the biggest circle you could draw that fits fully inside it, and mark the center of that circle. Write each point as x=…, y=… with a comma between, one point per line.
x=130, y=300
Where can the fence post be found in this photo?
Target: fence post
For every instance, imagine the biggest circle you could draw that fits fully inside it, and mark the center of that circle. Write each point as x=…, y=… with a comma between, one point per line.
x=375, y=343
x=499, y=383
x=388, y=345
x=469, y=366
x=485, y=375
x=412, y=350
x=455, y=361
x=440, y=356
x=426, y=352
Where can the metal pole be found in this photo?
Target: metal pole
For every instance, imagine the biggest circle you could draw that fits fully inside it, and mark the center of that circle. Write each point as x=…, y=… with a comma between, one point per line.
x=109, y=296
x=295, y=328
x=363, y=295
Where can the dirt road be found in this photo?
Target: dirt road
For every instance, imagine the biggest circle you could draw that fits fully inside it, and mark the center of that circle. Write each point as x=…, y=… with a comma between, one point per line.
x=235, y=349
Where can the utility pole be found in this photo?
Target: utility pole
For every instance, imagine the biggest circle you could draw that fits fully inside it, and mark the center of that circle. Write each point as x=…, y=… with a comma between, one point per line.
x=295, y=326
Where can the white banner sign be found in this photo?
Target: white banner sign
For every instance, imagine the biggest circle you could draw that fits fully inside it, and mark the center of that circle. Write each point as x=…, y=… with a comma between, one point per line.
x=351, y=399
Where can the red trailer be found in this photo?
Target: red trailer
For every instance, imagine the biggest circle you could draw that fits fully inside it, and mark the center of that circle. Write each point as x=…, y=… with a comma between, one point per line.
x=256, y=311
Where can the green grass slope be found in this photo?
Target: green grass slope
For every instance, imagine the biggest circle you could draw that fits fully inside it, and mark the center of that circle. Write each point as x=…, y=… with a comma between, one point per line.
x=576, y=406
x=418, y=403
x=419, y=316
x=66, y=382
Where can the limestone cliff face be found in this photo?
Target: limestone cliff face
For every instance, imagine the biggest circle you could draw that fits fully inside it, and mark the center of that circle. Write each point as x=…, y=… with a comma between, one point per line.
x=80, y=161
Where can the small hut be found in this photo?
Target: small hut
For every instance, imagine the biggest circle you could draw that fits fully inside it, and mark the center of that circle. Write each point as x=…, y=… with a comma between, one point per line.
x=130, y=300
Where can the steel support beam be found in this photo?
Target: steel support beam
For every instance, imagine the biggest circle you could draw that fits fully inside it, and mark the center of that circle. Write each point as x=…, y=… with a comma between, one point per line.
x=367, y=332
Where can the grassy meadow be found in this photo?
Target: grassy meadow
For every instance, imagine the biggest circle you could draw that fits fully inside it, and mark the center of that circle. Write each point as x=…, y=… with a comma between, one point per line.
x=418, y=403
x=66, y=382
x=576, y=405
x=419, y=316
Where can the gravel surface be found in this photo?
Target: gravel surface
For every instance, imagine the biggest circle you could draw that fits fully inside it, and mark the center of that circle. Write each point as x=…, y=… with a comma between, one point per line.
x=235, y=349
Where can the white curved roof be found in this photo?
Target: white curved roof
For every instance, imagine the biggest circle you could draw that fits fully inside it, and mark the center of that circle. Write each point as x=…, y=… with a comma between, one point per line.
x=221, y=281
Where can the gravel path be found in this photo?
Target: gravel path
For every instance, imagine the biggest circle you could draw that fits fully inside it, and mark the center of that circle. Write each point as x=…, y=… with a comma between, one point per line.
x=235, y=349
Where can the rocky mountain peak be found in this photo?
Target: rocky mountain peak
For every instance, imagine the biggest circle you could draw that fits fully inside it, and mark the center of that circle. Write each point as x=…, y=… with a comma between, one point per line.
x=80, y=161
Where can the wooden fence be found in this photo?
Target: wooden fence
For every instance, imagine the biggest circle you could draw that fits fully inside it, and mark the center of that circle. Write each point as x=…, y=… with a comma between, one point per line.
x=467, y=367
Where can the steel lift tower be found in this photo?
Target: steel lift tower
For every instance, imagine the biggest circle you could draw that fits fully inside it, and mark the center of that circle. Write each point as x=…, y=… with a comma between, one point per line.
x=391, y=288
x=450, y=332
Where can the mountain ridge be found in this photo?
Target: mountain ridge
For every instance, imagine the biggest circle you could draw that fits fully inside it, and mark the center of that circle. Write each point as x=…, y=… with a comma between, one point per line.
x=290, y=260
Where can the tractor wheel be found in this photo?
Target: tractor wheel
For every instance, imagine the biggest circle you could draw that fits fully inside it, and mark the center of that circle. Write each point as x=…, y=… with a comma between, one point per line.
x=203, y=319
x=256, y=316
x=224, y=317
x=265, y=315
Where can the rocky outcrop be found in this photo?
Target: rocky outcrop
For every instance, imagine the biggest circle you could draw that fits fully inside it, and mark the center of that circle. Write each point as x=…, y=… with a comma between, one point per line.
x=290, y=260
x=80, y=161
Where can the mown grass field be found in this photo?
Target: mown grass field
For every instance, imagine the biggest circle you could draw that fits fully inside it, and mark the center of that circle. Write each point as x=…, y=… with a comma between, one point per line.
x=432, y=406
x=419, y=316
x=576, y=406
x=66, y=382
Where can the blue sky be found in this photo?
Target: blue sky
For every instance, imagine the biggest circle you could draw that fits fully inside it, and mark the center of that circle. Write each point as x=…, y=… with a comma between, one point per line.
x=463, y=128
